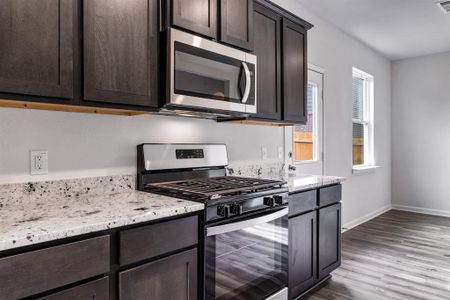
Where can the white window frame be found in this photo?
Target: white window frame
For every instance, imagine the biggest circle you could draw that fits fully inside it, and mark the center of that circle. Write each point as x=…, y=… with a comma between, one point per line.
x=367, y=121
x=315, y=124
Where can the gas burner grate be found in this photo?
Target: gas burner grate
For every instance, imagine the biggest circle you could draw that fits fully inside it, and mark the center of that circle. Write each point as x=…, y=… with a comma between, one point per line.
x=214, y=187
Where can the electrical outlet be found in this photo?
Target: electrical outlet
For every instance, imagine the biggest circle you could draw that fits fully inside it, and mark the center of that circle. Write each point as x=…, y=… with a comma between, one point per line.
x=39, y=162
x=264, y=153
x=280, y=152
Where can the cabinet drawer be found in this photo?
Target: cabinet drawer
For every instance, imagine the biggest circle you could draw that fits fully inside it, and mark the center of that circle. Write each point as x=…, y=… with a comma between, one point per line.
x=173, y=277
x=157, y=239
x=95, y=290
x=302, y=202
x=330, y=195
x=50, y=268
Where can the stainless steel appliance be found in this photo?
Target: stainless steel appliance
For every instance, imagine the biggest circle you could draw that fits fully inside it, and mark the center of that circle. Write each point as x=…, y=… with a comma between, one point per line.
x=245, y=220
x=203, y=75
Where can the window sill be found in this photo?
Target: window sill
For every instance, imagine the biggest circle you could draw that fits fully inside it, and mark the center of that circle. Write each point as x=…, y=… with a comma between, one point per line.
x=364, y=169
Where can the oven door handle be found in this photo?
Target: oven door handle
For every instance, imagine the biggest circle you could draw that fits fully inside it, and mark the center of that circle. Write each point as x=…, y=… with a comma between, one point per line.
x=215, y=230
x=248, y=82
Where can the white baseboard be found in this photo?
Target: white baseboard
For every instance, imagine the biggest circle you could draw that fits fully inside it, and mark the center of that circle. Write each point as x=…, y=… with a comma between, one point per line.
x=421, y=210
x=366, y=218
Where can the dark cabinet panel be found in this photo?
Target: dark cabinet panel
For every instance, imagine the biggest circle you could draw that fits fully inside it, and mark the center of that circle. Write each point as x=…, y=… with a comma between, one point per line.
x=199, y=16
x=302, y=253
x=170, y=278
x=121, y=51
x=236, y=23
x=50, y=268
x=294, y=72
x=330, y=195
x=267, y=47
x=39, y=47
x=96, y=290
x=329, y=241
x=157, y=239
x=302, y=202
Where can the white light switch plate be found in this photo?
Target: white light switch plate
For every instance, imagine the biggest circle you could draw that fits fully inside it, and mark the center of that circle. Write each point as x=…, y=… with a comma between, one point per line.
x=264, y=153
x=39, y=162
x=280, y=152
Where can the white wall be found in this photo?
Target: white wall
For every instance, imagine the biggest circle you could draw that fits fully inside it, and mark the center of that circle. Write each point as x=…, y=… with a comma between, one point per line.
x=93, y=145
x=83, y=145
x=337, y=53
x=421, y=133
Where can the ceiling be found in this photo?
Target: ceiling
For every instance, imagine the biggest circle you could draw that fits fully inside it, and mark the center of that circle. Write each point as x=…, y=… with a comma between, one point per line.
x=395, y=28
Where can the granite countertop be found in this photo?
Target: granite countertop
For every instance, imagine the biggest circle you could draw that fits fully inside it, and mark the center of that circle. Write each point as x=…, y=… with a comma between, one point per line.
x=34, y=213
x=298, y=183
x=34, y=219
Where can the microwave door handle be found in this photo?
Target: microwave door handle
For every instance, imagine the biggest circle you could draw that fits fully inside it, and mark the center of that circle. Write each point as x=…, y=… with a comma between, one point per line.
x=215, y=230
x=248, y=82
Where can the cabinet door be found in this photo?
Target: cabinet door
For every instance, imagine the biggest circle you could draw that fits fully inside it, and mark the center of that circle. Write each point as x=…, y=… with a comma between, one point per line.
x=267, y=47
x=294, y=72
x=236, y=25
x=170, y=278
x=121, y=51
x=39, y=47
x=199, y=16
x=96, y=290
x=329, y=254
x=302, y=253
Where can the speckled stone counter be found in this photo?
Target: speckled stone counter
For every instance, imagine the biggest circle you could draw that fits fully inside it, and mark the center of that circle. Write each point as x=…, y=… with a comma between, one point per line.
x=298, y=183
x=42, y=212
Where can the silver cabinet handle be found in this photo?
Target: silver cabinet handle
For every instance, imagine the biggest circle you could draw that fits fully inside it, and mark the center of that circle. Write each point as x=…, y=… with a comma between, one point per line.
x=248, y=82
x=215, y=230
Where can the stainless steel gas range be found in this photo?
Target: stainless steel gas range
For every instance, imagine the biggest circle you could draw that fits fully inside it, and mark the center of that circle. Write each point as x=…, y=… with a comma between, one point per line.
x=245, y=228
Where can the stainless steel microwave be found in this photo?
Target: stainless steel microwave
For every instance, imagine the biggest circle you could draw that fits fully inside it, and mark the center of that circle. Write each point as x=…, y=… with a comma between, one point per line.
x=206, y=76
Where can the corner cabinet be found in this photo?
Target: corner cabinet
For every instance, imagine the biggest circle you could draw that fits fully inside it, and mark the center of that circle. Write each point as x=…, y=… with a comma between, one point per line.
x=280, y=42
x=314, y=238
x=39, y=48
x=121, y=52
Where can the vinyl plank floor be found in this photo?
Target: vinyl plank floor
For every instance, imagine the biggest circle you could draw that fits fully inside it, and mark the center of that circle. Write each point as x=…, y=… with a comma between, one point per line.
x=396, y=256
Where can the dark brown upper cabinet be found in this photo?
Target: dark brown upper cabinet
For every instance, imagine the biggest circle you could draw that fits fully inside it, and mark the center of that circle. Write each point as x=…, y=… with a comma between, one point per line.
x=236, y=23
x=39, y=48
x=294, y=72
x=121, y=52
x=267, y=47
x=199, y=16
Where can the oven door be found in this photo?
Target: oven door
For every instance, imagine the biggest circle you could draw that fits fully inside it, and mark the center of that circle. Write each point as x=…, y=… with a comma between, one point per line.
x=210, y=76
x=247, y=259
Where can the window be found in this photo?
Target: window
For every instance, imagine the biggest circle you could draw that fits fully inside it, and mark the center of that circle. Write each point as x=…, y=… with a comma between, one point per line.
x=305, y=136
x=362, y=142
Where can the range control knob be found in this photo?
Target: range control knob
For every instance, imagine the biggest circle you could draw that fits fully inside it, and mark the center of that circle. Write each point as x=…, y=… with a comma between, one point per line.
x=268, y=201
x=223, y=211
x=236, y=209
x=278, y=199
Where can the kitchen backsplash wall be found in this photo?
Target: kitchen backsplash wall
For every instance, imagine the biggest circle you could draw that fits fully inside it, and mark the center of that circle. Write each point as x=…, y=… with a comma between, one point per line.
x=88, y=145
x=15, y=193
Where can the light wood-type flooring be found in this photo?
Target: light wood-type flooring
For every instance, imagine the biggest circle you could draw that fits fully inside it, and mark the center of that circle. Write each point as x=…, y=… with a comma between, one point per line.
x=398, y=255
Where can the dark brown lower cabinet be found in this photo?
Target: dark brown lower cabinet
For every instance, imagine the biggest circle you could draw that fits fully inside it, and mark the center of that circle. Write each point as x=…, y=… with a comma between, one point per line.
x=96, y=290
x=302, y=253
x=329, y=254
x=170, y=278
x=314, y=238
